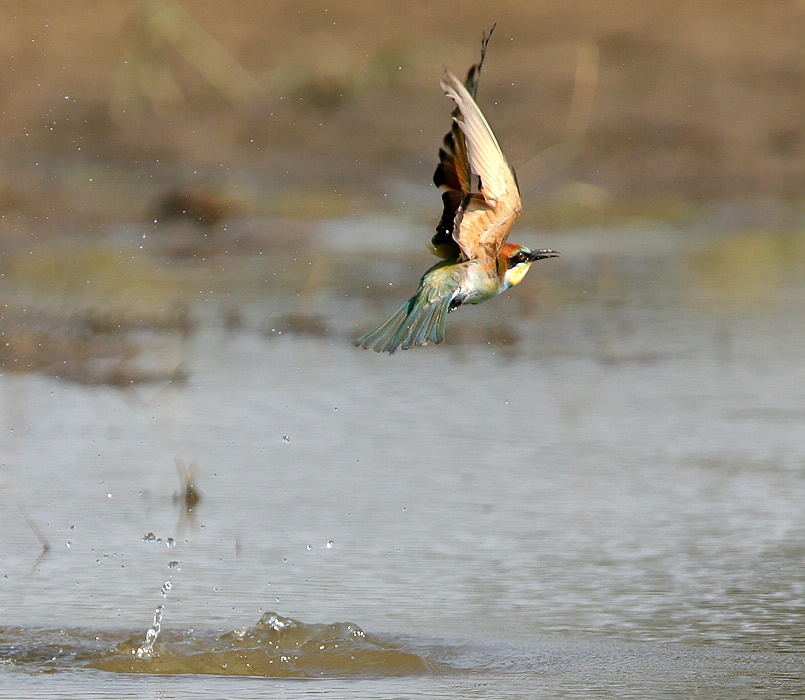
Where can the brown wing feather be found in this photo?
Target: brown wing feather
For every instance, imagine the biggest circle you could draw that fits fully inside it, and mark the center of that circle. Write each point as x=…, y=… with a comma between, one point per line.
x=453, y=173
x=483, y=219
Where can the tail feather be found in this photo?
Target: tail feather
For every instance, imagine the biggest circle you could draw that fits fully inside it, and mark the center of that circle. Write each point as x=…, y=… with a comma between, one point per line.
x=425, y=332
x=415, y=332
x=411, y=325
x=379, y=338
x=438, y=325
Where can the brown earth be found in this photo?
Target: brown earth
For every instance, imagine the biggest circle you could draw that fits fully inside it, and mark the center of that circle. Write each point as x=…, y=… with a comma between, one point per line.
x=107, y=104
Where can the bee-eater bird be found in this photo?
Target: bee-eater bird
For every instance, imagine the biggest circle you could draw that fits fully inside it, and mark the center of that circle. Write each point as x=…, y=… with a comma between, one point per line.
x=477, y=262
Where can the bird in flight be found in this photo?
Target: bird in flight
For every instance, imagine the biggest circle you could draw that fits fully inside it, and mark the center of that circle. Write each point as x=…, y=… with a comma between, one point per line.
x=481, y=203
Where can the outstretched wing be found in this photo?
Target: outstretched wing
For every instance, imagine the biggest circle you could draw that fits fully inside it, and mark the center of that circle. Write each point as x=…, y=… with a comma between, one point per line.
x=484, y=218
x=453, y=172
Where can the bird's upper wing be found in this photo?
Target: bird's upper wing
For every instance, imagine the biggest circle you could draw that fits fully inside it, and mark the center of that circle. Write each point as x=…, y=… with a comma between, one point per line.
x=453, y=173
x=483, y=219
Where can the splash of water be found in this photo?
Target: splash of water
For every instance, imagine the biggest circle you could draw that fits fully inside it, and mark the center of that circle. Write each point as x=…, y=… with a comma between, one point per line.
x=146, y=649
x=276, y=646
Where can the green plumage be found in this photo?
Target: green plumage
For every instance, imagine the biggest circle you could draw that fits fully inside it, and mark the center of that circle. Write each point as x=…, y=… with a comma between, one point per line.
x=421, y=320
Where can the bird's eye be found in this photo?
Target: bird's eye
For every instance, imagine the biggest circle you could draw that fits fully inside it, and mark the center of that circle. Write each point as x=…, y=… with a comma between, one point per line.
x=517, y=259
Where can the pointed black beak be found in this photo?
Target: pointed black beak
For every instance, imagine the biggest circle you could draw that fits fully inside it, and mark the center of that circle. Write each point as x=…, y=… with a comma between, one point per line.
x=542, y=253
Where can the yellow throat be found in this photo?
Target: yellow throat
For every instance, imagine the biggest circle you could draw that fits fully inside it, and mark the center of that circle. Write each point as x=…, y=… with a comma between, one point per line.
x=516, y=274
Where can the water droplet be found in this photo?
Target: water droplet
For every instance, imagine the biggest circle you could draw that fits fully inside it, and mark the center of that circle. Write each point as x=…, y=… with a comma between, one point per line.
x=149, y=537
x=175, y=565
x=308, y=547
x=166, y=588
x=330, y=544
x=216, y=589
x=170, y=543
x=285, y=438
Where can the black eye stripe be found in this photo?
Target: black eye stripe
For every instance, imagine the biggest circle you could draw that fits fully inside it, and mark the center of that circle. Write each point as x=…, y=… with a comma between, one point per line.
x=517, y=259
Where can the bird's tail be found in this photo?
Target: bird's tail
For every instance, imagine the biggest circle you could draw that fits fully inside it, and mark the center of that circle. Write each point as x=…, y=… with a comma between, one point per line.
x=415, y=323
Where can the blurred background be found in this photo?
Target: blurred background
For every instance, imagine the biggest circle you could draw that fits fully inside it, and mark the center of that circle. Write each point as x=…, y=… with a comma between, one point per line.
x=189, y=130
x=108, y=104
x=201, y=203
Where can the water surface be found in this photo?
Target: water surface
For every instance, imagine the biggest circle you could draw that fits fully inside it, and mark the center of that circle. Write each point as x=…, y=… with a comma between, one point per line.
x=593, y=490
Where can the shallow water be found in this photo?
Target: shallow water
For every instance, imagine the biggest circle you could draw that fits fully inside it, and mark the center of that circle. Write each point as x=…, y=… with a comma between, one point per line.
x=595, y=490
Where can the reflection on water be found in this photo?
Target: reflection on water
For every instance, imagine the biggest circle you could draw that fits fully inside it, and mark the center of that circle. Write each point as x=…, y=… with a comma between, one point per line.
x=605, y=500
